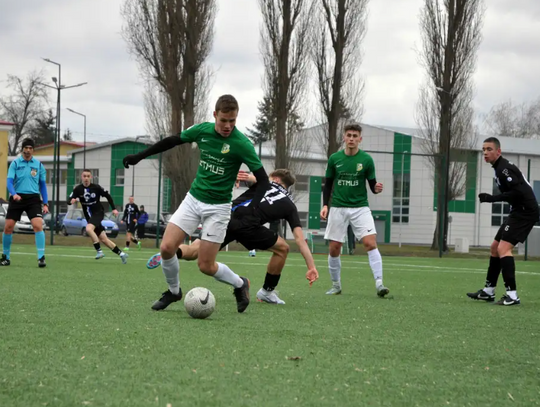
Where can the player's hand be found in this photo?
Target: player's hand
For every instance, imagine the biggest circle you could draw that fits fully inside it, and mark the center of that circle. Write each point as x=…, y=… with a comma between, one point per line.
x=245, y=176
x=378, y=187
x=324, y=212
x=115, y=213
x=312, y=275
x=73, y=201
x=45, y=208
x=132, y=159
x=485, y=197
x=16, y=197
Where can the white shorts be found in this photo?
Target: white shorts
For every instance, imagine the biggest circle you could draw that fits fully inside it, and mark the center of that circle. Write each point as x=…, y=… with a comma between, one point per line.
x=360, y=219
x=213, y=217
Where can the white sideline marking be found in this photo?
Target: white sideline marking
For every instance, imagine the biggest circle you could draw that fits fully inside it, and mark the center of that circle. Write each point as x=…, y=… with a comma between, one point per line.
x=386, y=264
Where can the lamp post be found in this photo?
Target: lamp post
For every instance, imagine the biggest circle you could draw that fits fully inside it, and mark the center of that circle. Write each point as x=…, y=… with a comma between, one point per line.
x=56, y=159
x=447, y=166
x=84, y=147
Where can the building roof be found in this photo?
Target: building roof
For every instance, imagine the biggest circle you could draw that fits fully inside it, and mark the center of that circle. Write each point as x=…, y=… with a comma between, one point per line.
x=110, y=143
x=66, y=143
x=3, y=122
x=43, y=158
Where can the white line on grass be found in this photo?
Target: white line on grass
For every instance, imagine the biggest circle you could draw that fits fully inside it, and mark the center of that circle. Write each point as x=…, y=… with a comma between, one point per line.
x=386, y=264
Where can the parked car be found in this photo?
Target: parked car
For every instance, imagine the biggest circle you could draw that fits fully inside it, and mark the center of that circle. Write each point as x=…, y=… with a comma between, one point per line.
x=59, y=219
x=3, y=212
x=151, y=225
x=24, y=225
x=75, y=224
x=118, y=220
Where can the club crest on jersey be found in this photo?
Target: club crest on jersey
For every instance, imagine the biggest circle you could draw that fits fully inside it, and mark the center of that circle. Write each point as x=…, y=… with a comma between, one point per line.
x=225, y=149
x=33, y=172
x=359, y=167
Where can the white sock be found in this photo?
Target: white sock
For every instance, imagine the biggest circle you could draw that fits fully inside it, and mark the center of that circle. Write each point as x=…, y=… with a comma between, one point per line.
x=171, y=270
x=334, y=267
x=227, y=276
x=489, y=290
x=375, y=262
x=512, y=294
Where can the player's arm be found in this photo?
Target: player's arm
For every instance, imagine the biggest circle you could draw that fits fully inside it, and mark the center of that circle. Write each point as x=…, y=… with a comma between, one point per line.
x=74, y=195
x=252, y=160
x=312, y=273
x=136, y=213
x=124, y=217
x=376, y=187
x=187, y=136
x=43, y=187
x=515, y=184
x=328, y=184
x=107, y=196
x=11, y=178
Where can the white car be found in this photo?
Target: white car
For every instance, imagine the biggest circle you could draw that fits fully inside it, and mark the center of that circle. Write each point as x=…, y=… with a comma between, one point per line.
x=24, y=225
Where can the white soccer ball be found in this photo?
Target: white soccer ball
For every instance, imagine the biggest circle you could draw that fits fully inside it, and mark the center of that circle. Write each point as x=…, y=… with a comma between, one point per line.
x=200, y=303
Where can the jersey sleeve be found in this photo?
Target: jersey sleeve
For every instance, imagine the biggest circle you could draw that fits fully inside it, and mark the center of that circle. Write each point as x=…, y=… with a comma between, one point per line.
x=12, y=170
x=330, y=168
x=293, y=219
x=513, y=176
x=74, y=194
x=370, y=170
x=191, y=134
x=250, y=157
x=42, y=173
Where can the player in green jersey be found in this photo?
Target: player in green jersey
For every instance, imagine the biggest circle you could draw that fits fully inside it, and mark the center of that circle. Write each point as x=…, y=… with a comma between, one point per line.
x=347, y=171
x=223, y=150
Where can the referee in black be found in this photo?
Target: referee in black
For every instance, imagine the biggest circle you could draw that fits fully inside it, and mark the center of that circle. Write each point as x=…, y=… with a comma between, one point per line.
x=26, y=181
x=524, y=214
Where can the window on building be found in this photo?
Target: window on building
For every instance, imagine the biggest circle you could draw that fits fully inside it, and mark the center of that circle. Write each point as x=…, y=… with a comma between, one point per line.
x=50, y=176
x=401, y=194
x=119, y=177
x=499, y=210
x=302, y=183
x=95, y=176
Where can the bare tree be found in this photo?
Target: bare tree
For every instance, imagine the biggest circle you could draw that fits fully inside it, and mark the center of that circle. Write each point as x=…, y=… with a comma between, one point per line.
x=25, y=106
x=339, y=27
x=510, y=120
x=171, y=41
x=284, y=46
x=451, y=35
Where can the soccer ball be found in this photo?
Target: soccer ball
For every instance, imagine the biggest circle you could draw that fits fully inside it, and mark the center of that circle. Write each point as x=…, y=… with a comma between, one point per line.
x=200, y=303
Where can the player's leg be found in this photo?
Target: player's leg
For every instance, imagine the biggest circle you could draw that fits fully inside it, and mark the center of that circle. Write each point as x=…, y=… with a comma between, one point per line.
x=488, y=292
x=336, y=229
x=111, y=245
x=182, y=223
x=363, y=227
x=35, y=214
x=95, y=238
x=133, y=238
x=280, y=251
x=508, y=267
x=128, y=236
x=214, y=230
x=7, y=239
x=13, y=215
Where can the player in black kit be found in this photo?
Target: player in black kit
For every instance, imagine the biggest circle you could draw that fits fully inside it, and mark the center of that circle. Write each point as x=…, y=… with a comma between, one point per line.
x=246, y=227
x=131, y=215
x=524, y=214
x=89, y=195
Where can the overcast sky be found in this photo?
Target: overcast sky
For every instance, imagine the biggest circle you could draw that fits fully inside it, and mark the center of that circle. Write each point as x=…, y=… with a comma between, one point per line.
x=84, y=36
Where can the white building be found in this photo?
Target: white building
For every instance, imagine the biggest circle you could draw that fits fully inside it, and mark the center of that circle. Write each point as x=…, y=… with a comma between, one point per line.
x=469, y=219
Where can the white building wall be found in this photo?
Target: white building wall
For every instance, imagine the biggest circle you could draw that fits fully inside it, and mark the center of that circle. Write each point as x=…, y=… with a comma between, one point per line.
x=144, y=186
x=96, y=159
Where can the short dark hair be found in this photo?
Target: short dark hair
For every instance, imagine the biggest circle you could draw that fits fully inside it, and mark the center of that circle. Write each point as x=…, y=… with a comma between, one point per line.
x=285, y=176
x=86, y=170
x=226, y=104
x=352, y=127
x=493, y=140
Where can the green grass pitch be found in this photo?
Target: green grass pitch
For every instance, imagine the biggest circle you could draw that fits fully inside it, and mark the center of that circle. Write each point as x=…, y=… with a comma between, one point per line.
x=81, y=333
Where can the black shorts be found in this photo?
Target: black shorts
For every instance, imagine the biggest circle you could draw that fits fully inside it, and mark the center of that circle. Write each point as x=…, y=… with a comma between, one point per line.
x=29, y=203
x=131, y=227
x=516, y=228
x=95, y=220
x=248, y=231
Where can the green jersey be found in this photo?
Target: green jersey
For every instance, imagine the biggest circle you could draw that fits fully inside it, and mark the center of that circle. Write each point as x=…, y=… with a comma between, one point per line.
x=220, y=160
x=350, y=174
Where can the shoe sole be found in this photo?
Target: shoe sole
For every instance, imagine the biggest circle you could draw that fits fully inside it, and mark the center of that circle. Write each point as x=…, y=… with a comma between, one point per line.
x=481, y=299
x=249, y=286
x=337, y=293
x=270, y=302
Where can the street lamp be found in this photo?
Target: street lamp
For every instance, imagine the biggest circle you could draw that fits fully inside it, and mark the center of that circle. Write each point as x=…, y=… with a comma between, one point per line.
x=84, y=147
x=56, y=159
